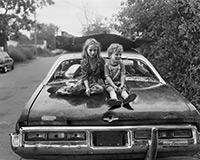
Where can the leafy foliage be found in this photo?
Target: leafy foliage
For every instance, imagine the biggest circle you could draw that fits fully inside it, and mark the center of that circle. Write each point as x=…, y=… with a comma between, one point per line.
x=16, y=14
x=26, y=53
x=21, y=54
x=175, y=27
x=46, y=32
x=95, y=27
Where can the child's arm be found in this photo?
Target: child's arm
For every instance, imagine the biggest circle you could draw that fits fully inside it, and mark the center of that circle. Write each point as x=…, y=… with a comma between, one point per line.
x=84, y=71
x=123, y=76
x=87, y=91
x=111, y=82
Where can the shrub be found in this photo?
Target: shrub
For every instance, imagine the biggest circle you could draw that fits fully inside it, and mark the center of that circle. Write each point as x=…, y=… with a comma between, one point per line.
x=29, y=52
x=44, y=52
x=16, y=54
x=24, y=53
x=175, y=27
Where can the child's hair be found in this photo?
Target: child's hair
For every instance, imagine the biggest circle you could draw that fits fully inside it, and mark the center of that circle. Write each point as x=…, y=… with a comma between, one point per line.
x=114, y=47
x=88, y=42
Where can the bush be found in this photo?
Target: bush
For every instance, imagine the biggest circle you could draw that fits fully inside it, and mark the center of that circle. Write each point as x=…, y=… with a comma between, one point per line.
x=44, y=52
x=29, y=52
x=16, y=54
x=175, y=27
x=24, y=53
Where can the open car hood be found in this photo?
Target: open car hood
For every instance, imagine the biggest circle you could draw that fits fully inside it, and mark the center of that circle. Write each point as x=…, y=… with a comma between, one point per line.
x=154, y=105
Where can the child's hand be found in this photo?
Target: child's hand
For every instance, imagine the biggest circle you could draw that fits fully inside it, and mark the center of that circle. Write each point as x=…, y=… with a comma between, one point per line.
x=87, y=92
x=116, y=89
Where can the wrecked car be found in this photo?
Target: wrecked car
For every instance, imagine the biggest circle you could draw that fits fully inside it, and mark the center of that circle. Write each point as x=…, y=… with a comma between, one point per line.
x=159, y=123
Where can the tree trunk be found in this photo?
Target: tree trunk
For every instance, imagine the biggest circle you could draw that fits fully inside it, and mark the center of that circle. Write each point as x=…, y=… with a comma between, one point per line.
x=5, y=46
x=5, y=39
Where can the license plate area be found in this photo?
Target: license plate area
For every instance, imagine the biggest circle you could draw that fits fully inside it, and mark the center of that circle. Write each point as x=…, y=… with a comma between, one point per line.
x=110, y=138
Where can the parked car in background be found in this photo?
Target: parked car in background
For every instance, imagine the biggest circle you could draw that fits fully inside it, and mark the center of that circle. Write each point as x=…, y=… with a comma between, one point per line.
x=160, y=122
x=6, y=62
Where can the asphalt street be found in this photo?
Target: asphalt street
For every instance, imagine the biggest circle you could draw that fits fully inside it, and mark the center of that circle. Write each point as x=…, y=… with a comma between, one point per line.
x=16, y=87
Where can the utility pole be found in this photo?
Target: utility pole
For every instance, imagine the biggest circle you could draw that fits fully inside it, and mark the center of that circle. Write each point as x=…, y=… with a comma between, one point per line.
x=35, y=33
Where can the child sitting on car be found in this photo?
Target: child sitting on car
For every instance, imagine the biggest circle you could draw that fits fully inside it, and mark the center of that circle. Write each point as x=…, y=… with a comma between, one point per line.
x=115, y=77
x=92, y=70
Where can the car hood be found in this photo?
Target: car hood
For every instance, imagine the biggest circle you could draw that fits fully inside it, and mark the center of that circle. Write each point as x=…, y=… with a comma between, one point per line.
x=160, y=104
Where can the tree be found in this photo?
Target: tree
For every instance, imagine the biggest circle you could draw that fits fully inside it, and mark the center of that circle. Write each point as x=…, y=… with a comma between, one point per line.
x=175, y=25
x=92, y=22
x=46, y=32
x=95, y=27
x=16, y=15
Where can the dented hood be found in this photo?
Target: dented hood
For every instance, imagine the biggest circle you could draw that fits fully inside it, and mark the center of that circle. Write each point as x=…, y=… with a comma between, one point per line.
x=157, y=104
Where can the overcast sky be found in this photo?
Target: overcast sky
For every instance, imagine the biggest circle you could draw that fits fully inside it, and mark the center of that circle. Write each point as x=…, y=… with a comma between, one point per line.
x=69, y=15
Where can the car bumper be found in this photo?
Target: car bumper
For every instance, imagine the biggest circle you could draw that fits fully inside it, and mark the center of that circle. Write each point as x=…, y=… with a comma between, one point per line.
x=88, y=148
x=8, y=65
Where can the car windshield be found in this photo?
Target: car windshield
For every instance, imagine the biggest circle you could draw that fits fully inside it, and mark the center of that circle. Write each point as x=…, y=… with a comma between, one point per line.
x=4, y=54
x=70, y=70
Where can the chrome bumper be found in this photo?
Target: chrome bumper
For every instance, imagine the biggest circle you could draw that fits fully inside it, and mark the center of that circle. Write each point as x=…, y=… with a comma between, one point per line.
x=148, y=149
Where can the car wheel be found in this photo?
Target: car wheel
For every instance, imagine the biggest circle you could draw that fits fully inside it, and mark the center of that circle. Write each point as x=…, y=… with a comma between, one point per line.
x=13, y=66
x=5, y=69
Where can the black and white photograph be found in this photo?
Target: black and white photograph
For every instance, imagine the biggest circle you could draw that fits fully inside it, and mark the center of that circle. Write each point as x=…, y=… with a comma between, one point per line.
x=100, y=80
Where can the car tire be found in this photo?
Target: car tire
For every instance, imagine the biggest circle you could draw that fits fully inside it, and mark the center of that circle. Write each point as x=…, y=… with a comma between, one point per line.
x=13, y=66
x=5, y=69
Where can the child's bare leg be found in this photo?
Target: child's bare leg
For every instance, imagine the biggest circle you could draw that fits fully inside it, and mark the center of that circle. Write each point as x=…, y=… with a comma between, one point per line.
x=128, y=98
x=124, y=94
x=113, y=94
x=113, y=101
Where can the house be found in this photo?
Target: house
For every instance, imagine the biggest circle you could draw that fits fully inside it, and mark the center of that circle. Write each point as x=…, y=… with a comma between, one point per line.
x=12, y=43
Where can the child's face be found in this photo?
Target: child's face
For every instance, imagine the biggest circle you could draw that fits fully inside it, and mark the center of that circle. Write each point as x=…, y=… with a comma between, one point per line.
x=116, y=57
x=92, y=51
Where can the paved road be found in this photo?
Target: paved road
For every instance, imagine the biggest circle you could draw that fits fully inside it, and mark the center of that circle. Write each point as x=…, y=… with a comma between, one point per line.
x=16, y=87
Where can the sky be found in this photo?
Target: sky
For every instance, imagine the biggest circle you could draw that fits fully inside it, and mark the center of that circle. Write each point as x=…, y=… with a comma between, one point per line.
x=69, y=15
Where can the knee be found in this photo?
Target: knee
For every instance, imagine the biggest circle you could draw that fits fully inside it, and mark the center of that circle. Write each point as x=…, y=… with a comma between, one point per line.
x=113, y=94
x=124, y=94
x=101, y=89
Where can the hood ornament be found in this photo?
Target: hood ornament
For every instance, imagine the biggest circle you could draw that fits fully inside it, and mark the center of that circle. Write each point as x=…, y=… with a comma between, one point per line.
x=110, y=118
